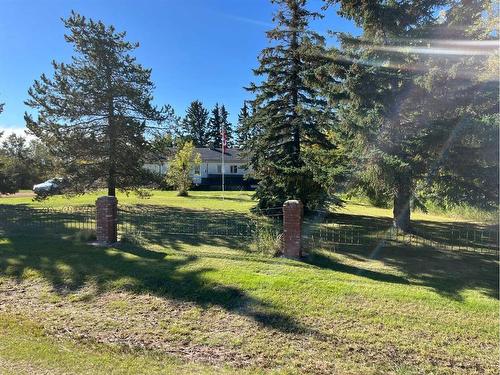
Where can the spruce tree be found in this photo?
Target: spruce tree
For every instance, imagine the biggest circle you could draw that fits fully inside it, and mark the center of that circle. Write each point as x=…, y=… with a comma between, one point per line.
x=214, y=127
x=411, y=108
x=242, y=131
x=93, y=112
x=290, y=113
x=226, y=125
x=195, y=124
x=218, y=121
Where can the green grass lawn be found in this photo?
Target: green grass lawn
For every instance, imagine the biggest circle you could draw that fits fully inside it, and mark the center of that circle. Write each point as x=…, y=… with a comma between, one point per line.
x=240, y=201
x=233, y=200
x=197, y=305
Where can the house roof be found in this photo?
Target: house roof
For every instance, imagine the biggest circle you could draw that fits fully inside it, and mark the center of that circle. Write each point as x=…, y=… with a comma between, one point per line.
x=231, y=155
x=215, y=154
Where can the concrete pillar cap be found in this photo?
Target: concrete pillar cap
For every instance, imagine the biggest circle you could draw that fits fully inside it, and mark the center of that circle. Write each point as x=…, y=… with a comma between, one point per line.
x=292, y=202
x=106, y=198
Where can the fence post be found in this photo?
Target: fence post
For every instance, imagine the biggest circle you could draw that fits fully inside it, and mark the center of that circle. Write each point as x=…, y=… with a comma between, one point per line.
x=292, y=228
x=107, y=219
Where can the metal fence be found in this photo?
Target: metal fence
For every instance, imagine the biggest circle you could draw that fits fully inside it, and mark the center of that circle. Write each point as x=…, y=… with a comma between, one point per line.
x=149, y=223
x=46, y=220
x=326, y=230
x=260, y=229
x=165, y=224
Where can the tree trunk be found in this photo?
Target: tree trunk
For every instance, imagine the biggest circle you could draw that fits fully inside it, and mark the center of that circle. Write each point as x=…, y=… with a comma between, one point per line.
x=402, y=198
x=112, y=142
x=295, y=83
x=111, y=187
x=112, y=164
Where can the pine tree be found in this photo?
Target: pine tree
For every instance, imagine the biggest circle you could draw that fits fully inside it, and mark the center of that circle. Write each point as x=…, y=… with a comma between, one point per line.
x=290, y=113
x=195, y=124
x=409, y=110
x=94, y=111
x=214, y=127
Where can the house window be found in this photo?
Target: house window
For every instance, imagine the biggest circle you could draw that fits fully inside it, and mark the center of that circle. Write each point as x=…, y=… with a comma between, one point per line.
x=219, y=168
x=234, y=169
x=197, y=170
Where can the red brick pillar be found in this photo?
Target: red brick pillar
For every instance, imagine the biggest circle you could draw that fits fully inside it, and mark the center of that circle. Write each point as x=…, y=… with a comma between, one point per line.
x=292, y=228
x=107, y=219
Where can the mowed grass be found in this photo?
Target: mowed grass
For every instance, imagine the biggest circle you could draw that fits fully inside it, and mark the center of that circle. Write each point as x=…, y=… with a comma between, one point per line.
x=195, y=306
x=240, y=201
x=233, y=200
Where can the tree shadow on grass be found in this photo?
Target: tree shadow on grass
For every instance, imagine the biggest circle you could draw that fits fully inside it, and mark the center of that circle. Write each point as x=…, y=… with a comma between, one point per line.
x=176, y=227
x=323, y=261
x=68, y=265
x=437, y=257
x=226, y=198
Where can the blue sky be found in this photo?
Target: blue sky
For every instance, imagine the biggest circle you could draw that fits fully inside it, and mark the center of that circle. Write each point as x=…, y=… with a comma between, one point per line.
x=197, y=49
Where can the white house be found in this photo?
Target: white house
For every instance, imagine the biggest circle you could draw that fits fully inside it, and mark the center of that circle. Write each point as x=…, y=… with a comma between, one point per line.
x=209, y=173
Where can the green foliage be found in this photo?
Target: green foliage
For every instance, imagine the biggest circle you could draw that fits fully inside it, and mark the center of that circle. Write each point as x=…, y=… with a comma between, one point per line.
x=85, y=235
x=290, y=114
x=461, y=211
x=8, y=183
x=218, y=121
x=242, y=130
x=419, y=120
x=195, y=124
x=181, y=167
x=226, y=125
x=93, y=112
x=268, y=240
x=31, y=161
x=215, y=127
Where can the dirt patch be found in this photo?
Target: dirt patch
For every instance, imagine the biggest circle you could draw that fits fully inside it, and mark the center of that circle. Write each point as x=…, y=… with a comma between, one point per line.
x=210, y=334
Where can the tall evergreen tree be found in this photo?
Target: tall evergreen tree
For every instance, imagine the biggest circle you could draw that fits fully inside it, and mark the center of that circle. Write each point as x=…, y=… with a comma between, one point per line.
x=214, y=127
x=290, y=114
x=94, y=111
x=195, y=124
x=409, y=106
x=227, y=126
x=242, y=131
x=218, y=121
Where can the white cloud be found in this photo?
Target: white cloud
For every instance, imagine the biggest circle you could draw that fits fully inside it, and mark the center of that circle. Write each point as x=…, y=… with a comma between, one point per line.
x=8, y=130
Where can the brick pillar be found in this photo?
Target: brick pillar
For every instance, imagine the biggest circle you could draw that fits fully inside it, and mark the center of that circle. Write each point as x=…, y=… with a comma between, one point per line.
x=107, y=219
x=292, y=228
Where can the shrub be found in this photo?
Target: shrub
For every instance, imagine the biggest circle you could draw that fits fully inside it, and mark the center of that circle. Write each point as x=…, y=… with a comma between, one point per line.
x=85, y=235
x=268, y=241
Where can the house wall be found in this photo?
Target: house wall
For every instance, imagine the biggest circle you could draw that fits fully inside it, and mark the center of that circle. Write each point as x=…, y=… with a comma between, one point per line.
x=160, y=168
x=206, y=168
x=213, y=168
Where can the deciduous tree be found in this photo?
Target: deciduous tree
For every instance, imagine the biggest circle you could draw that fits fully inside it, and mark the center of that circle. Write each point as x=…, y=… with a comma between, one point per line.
x=181, y=168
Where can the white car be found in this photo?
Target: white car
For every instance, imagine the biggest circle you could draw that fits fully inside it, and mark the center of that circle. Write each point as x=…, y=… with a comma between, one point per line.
x=51, y=186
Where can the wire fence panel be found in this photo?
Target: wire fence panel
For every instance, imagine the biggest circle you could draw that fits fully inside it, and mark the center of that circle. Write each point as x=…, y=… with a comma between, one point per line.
x=330, y=231
x=260, y=229
x=46, y=220
x=165, y=224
